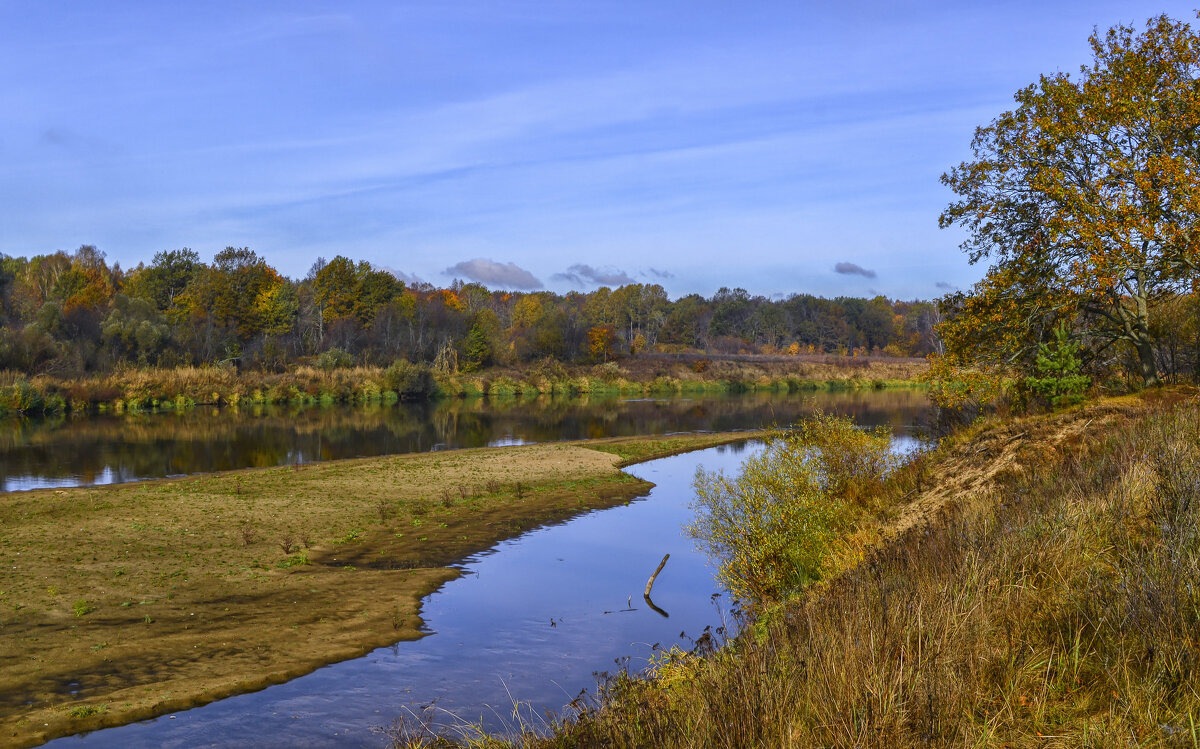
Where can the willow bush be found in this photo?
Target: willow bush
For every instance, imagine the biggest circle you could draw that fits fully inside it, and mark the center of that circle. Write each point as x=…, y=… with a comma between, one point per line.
x=771, y=527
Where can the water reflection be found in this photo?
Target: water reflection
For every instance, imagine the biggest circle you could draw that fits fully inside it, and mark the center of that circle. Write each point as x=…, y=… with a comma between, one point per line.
x=108, y=448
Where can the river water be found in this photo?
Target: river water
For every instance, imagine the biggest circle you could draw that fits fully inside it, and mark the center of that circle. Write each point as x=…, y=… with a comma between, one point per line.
x=43, y=453
x=529, y=623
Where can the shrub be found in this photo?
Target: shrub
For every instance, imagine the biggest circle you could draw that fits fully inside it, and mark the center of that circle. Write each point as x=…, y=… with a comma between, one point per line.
x=771, y=527
x=849, y=461
x=409, y=381
x=335, y=358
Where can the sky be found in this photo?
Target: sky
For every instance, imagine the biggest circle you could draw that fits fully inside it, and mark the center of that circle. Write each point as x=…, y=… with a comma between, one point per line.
x=781, y=147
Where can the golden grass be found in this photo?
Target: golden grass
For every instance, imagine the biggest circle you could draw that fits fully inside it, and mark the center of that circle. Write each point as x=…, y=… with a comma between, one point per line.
x=1035, y=585
x=149, y=388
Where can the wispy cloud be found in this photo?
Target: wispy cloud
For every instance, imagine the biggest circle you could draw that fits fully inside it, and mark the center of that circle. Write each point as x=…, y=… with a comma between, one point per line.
x=852, y=269
x=663, y=274
x=498, y=274
x=581, y=274
x=409, y=279
x=944, y=285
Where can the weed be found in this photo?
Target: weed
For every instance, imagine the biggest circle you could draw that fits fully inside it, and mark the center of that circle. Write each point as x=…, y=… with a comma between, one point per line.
x=81, y=608
x=385, y=509
x=288, y=544
x=353, y=536
x=296, y=560
x=249, y=534
x=87, y=711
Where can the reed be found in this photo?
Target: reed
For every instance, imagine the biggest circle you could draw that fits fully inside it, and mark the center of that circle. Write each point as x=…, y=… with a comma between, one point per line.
x=144, y=389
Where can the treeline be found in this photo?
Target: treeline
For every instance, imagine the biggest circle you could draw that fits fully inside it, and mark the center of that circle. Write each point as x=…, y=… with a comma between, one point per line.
x=66, y=314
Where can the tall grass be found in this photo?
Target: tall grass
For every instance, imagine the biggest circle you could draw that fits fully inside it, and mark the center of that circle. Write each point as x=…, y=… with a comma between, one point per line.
x=145, y=389
x=1061, y=609
x=134, y=389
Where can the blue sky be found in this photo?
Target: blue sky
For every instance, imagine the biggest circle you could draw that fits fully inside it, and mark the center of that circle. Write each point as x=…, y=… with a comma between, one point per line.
x=777, y=146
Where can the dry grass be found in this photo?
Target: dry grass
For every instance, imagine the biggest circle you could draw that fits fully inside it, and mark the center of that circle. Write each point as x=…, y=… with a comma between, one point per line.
x=149, y=388
x=1054, y=602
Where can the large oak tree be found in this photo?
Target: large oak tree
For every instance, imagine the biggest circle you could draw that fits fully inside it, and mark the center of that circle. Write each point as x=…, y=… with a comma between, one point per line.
x=1085, y=198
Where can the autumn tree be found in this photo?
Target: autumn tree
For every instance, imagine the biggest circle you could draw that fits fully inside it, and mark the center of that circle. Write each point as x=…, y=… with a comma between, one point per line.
x=236, y=299
x=163, y=280
x=8, y=276
x=602, y=340
x=336, y=289
x=1085, y=198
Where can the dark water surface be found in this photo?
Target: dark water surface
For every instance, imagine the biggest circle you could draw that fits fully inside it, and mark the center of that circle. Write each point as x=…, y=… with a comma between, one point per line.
x=114, y=448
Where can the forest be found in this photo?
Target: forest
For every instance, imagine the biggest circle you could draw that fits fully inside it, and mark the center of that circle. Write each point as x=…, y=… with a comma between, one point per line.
x=67, y=314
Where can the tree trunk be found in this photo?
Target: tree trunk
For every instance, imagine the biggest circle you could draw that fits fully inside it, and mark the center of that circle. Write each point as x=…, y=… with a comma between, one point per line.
x=1142, y=339
x=1145, y=351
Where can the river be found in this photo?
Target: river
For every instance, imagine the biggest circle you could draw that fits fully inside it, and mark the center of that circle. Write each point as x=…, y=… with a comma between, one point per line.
x=531, y=621
x=101, y=449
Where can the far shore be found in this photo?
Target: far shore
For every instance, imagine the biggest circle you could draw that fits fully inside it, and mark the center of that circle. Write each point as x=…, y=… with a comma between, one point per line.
x=142, y=389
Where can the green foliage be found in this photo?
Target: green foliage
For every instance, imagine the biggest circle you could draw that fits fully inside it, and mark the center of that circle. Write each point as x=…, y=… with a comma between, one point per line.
x=87, y=711
x=166, y=278
x=335, y=358
x=1058, y=379
x=135, y=330
x=409, y=381
x=478, y=347
x=82, y=608
x=770, y=528
x=22, y=397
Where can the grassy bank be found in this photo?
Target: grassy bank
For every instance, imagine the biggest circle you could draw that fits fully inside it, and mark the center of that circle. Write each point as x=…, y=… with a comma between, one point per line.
x=161, y=595
x=169, y=389
x=1032, y=583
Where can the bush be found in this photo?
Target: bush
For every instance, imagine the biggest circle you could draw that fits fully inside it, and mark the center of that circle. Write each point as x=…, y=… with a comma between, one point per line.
x=409, y=381
x=335, y=358
x=770, y=528
x=850, y=462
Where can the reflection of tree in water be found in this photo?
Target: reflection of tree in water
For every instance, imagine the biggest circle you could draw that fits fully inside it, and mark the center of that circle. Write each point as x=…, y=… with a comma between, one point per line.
x=204, y=439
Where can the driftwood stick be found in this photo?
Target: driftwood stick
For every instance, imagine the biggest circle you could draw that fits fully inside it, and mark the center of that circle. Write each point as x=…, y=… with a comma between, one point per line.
x=650, y=582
